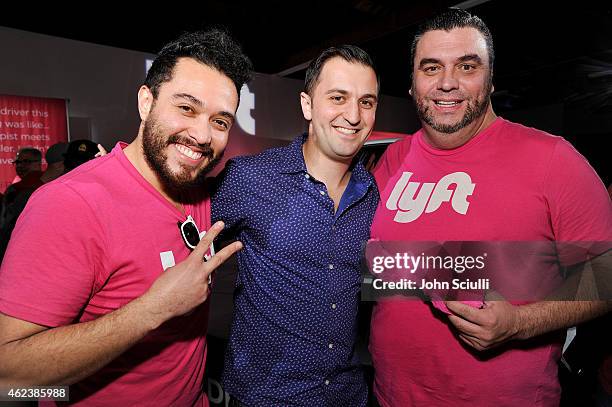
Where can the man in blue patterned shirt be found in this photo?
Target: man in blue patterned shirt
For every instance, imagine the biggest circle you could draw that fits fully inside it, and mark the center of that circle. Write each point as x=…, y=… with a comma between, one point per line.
x=303, y=213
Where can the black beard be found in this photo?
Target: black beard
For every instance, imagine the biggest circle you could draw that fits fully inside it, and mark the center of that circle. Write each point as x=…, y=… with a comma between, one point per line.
x=472, y=112
x=180, y=185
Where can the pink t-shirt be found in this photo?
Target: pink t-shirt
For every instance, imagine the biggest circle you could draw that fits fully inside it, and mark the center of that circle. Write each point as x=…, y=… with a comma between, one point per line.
x=89, y=243
x=509, y=183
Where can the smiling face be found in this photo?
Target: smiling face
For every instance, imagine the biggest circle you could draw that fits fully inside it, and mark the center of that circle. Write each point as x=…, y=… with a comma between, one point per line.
x=452, y=82
x=185, y=129
x=341, y=109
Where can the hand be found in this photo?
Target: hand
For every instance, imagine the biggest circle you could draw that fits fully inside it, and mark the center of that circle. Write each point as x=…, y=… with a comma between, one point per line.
x=484, y=328
x=185, y=286
x=101, y=151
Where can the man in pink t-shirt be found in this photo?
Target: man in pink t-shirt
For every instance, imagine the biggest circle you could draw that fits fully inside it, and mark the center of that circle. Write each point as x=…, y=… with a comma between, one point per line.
x=468, y=175
x=104, y=285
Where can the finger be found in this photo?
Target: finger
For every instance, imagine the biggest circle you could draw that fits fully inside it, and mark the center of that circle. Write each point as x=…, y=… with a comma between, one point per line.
x=201, y=248
x=465, y=311
x=473, y=342
x=221, y=256
x=464, y=326
x=101, y=151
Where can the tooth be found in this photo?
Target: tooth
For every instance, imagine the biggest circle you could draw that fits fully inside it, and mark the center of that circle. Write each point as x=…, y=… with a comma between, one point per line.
x=346, y=131
x=188, y=152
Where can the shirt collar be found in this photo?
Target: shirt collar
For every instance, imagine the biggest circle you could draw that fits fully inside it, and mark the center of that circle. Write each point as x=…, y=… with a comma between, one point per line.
x=294, y=162
x=360, y=174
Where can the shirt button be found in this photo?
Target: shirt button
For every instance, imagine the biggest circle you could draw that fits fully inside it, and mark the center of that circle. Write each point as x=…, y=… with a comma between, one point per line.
x=322, y=192
x=333, y=306
x=331, y=266
x=307, y=176
x=330, y=346
x=326, y=382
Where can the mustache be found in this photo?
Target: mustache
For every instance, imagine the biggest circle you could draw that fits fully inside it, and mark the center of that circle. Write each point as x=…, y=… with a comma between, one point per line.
x=206, y=148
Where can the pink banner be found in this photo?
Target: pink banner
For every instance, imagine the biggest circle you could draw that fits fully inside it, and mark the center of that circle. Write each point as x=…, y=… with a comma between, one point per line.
x=28, y=122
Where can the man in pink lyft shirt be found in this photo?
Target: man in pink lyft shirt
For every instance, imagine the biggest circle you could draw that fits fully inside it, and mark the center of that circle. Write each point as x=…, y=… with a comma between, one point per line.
x=470, y=175
x=104, y=284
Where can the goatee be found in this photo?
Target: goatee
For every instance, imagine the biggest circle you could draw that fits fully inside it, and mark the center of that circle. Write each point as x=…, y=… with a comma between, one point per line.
x=473, y=111
x=180, y=184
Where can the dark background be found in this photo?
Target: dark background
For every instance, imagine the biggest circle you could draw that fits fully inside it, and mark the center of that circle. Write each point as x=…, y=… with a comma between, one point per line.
x=553, y=60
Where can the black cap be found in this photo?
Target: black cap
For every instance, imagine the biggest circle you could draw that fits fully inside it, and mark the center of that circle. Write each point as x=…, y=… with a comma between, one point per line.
x=79, y=152
x=56, y=153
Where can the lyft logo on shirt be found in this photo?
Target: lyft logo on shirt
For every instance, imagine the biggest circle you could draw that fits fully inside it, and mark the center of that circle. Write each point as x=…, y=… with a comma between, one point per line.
x=410, y=205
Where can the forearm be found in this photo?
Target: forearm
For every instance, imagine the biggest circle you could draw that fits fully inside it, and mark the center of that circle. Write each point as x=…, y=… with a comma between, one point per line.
x=546, y=316
x=67, y=354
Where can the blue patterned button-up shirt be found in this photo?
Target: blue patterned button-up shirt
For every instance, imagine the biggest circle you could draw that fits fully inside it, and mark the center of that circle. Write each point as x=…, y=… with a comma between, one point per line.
x=296, y=297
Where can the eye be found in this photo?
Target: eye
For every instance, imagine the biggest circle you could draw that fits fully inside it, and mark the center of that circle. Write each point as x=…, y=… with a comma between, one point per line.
x=467, y=67
x=222, y=124
x=431, y=69
x=186, y=109
x=367, y=103
x=337, y=99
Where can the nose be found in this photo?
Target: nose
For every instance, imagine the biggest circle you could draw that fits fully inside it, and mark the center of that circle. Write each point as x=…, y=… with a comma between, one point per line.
x=201, y=132
x=352, y=113
x=448, y=81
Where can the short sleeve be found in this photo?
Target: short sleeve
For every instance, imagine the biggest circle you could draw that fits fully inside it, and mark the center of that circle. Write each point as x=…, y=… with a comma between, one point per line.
x=49, y=270
x=580, y=207
x=390, y=161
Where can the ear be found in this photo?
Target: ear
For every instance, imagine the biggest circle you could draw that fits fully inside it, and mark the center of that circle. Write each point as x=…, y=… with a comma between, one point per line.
x=306, y=103
x=145, y=101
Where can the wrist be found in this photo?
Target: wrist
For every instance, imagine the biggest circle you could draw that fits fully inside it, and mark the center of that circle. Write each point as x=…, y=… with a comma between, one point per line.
x=519, y=323
x=150, y=312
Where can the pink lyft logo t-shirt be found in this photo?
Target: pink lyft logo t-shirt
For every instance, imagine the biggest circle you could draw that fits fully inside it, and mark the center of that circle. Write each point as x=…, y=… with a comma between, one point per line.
x=509, y=183
x=89, y=243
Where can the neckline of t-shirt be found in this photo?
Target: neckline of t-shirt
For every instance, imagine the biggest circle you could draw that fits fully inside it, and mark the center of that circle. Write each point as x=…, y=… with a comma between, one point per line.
x=420, y=136
x=127, y=164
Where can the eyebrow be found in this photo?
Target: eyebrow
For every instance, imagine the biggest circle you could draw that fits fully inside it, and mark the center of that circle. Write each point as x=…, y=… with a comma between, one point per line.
x=426, y=61
x=464, y=58
x=199, y=103
x=344, y=92
x=470, y=57
x=227, y=115
x=369, y=96
x=336, y=90
x=189, y=97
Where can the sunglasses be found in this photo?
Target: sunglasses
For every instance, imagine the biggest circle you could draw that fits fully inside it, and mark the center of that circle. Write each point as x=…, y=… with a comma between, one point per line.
x=191, y=236
x=190, y=232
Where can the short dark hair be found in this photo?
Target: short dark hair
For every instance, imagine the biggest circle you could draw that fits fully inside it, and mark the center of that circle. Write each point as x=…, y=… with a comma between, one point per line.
x=349, y=53
x=34, y=152
x=215, y=48
x=449, y=20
